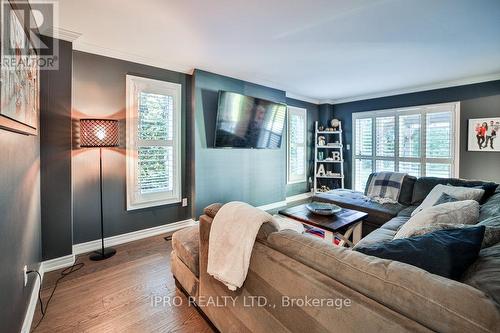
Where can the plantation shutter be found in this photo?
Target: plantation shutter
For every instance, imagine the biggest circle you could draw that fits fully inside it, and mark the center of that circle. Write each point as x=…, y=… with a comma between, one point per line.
x=297, y=143
x=153, y=137
x=420, y=141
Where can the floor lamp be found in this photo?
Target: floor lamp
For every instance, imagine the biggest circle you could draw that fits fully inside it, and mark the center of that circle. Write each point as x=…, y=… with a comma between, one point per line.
x=100, y=133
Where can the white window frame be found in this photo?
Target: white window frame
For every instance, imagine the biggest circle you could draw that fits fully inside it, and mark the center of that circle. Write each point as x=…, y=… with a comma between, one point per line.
x=134, y=85
x=423, y=110
x=302, y=111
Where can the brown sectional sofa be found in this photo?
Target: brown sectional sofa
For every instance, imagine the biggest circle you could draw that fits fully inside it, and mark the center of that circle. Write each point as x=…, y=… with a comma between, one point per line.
x=384, y=295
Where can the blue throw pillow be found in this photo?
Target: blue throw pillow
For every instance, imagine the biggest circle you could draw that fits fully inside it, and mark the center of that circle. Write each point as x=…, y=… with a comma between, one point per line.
x=444, y=198
x=444, y=252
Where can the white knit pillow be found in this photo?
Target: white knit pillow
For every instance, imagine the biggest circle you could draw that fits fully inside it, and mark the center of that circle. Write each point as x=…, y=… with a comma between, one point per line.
x=459, y=192
x=458, y=212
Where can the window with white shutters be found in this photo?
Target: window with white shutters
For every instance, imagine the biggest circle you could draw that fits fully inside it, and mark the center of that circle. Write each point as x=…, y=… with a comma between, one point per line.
x=153, y=142
x=297, y=145
x=420, y=141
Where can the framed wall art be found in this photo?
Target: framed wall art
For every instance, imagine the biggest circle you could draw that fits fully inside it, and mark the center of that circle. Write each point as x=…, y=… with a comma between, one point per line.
x=20, y=79
x=483, y=134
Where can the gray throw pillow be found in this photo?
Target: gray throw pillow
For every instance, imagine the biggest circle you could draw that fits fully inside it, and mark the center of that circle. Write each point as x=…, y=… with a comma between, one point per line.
x=461, y=193
x=459, y=212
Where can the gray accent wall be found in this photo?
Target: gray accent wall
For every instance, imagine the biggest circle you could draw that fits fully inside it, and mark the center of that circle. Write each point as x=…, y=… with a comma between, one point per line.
x=99, y=91
x=55, y=155
x=477, y=101
x=312, y=117
x=255, y=176
x=20, y=224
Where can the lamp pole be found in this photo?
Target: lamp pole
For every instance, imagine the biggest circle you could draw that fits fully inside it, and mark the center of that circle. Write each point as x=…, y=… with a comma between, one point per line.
x=99, y=133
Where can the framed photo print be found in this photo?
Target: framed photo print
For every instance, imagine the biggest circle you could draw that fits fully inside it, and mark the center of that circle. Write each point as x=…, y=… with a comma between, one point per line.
x=484, y=134
x=20, y=80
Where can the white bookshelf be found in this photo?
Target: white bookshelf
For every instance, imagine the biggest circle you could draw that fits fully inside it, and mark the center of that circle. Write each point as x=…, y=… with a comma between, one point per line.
x=333, y=143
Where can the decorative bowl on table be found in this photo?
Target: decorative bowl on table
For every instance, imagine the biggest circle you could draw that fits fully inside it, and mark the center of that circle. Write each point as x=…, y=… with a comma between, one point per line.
x=323, y=208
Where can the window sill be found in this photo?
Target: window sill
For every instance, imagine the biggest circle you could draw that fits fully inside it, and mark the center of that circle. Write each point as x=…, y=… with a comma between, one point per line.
x=296, y=182
x=152, y=204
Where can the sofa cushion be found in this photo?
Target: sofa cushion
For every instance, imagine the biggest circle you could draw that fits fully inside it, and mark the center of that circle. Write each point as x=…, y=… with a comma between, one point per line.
x=406, y=193
x=492, y=223
x=183, y=274
x=460, y=212
x=440, y=304
x=395, y=223
x=424, y=185
x=407, y=211
x=491, y=208
x=385, y=233
x=186, y=244
x=376, y=237
x=377, y=213
x=212, y=209
x=484, y=273
x=447, y=253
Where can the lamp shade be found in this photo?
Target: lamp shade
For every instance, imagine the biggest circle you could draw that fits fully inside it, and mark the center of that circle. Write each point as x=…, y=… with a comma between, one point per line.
x=99, y=133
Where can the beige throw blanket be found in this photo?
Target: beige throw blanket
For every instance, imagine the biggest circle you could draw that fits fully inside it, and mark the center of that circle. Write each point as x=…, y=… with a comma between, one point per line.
x=232, y=236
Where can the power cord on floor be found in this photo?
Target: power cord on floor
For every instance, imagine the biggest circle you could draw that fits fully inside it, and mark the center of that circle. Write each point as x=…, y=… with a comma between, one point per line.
x=65, y=272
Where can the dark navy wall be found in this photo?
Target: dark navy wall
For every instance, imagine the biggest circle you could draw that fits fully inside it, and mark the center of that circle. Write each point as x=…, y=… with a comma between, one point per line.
x=99, y=91
x=20, y=223
x=312, y=117
x=256, y=176
x=477, y=101
x=55, y=155
x=325, y=114
x=20, y=226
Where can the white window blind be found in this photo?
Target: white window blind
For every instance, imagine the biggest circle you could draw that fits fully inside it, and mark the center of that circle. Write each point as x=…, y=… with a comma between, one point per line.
x=153, y=142
x=297, y=145
x=420, y=141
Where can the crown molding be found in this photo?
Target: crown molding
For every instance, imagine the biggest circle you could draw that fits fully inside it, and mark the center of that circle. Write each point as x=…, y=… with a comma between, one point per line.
x=128, y=56
x=62, y=34
x=302, y=98
x=82, y=46
x=432, y=86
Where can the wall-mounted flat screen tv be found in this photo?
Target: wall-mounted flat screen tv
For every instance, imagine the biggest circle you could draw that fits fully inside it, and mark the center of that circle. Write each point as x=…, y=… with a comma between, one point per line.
x=248, y=122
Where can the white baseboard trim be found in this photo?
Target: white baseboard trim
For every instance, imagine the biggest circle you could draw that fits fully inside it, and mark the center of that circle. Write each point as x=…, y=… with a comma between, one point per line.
x=30, y=312
x=288, y=200
x=131, y=236
x=58, y=263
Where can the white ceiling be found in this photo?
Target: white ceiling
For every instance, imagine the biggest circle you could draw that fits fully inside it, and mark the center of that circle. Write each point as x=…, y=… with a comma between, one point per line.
x=324, y=50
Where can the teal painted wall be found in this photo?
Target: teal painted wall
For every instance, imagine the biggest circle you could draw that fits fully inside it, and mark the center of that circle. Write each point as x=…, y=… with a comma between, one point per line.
x=256, y=176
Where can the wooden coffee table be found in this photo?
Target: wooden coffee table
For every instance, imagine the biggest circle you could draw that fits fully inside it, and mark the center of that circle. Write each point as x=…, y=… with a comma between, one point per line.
x=343, y=224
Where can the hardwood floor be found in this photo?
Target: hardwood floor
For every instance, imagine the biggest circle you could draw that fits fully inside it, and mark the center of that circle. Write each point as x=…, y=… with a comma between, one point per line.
x=116, y=295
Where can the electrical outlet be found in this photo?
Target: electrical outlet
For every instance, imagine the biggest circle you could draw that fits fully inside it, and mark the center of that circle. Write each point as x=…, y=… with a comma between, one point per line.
x=184, y=202
x=25, y=271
